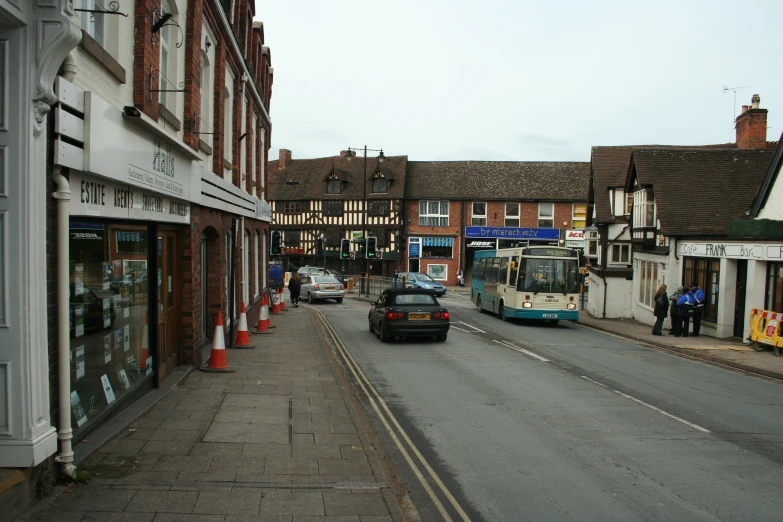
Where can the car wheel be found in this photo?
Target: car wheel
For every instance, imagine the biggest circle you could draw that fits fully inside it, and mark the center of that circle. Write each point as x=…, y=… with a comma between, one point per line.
x=385, y=337
x=478, y=305
x=440, y=337
x=339, y=300
x=372, y=330
x=310, y=298
x=554, y=322
x=502, y=311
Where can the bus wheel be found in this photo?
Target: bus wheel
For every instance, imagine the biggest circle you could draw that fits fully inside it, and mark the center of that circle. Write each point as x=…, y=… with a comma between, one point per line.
x=502, y=311
x=554, y=322
x=478, y=305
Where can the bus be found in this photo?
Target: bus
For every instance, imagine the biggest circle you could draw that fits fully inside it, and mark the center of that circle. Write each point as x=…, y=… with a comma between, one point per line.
x=538, y=282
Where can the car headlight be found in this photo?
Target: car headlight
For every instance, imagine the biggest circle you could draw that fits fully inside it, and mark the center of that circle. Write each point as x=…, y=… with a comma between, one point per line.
x=426, y=286
x=571, y=306
x=527, y=304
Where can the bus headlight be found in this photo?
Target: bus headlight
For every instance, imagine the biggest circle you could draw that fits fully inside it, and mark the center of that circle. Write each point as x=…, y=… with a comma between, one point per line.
x=527, y=304
x=571, y=306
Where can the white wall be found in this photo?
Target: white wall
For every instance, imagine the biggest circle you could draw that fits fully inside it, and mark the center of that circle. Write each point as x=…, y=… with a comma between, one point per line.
x=773, y=209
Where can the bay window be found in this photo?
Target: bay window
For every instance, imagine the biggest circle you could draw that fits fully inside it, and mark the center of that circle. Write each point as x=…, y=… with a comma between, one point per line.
x=643, y=208
x=649, y=281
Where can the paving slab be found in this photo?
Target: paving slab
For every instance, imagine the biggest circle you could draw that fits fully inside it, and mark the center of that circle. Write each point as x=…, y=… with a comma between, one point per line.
x=250, y=433
x=237, y=502
x=93, y=499
x=163, y=501
x=292, y=503
x=355, y=504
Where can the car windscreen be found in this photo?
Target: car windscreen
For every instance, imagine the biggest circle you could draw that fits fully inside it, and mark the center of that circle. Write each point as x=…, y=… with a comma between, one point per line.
x=325, y=279
x=414, y=299
x=424, y=277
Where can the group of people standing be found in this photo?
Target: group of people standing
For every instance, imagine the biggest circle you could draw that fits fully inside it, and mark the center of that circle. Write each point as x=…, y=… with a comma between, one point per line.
x=681, y=307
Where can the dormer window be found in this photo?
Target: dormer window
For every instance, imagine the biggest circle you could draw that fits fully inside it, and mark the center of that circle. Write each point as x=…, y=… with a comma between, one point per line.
x=380, y=185
x=334, y=186
x=643, y=208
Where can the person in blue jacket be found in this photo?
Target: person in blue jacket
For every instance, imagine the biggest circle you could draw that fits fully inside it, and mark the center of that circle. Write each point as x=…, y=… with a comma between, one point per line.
x=685, y=311
x=698, y=306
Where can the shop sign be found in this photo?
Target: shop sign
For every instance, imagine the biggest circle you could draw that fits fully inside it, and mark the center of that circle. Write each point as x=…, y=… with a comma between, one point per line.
x=293, y=250
x=574, y=235
x=480, y=244
x=438, y=242
x=122, y=151
x=414, y=247
x=760, y=252
x=263, y=210
x=513, y=233
x=99, y=197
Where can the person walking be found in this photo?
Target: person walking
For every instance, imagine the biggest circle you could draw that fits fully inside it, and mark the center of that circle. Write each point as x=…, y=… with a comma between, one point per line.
x=294, y=287
x=684, y=311
x=698, y=307
x=661, y=309
x=675, y=318
x=460, y=278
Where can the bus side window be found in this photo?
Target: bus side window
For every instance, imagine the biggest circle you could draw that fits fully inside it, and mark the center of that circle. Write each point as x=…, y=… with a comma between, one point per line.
x=503, y=274
x=514, y=266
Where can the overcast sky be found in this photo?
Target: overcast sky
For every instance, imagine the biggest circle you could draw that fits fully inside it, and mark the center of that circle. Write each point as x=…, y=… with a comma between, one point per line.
x=516, y=79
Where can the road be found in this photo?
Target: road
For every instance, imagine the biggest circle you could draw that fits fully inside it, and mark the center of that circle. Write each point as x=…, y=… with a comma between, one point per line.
x=526, y=421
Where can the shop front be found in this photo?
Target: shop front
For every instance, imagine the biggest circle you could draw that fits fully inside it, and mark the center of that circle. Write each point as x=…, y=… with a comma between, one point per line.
x=434, y=256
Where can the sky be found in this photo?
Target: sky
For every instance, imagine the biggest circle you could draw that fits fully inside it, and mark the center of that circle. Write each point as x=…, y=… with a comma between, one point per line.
x=510, y=80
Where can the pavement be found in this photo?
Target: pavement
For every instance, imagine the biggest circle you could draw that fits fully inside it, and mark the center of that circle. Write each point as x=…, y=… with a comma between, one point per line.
x=282, y=438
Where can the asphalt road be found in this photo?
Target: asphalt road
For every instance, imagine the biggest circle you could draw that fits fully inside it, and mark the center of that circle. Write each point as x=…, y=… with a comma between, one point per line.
x=600, y=429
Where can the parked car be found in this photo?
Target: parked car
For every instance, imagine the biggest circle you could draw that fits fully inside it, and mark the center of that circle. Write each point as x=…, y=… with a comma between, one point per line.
x=135, y=280
x=316, y=287
x=420, y=280
x=408, y=312
x=315, y=270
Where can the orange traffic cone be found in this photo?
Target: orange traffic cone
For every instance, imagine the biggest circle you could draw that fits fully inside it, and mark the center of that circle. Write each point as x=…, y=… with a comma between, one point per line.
x=282, y=300
x=263, y=317
x=145, y=346
x=217, y=358
x=276, y=303
x=243, y=336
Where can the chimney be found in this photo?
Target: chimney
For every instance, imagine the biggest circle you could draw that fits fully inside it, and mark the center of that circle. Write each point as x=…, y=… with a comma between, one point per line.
x=751, y=126
x=285, y=158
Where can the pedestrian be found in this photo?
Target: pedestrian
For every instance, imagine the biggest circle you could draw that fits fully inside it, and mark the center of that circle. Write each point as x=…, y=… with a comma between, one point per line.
x=460, y=278
x=698, y=307
x=684, y=311
x=661, y=309
x=675, y=319
x=294, y=287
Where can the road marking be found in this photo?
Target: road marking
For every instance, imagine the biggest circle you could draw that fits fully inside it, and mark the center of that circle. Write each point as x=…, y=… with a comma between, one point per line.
x=471, y=326
x=375, y=399
x=654, y=408
x=461, y=329
x=520, y=350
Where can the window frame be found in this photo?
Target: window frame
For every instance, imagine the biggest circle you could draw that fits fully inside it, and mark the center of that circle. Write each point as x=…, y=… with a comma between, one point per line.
x=378, y=183
x=543, y=217
x=292, y=207
x=478, y=220
x=246, y=267
x=644, y=208
x=651, y=276
x=621, y=247
x=426, y=217
x=705, y=271
x=91, y=21
x=512, y=218
x=228, y=122
x=334, y=186
x=578, y=218
x=256, y=265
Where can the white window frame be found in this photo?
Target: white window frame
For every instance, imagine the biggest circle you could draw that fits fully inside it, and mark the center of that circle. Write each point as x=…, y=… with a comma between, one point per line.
x=444, y=274
x=593, y=246
x=167, y=74
x=262, y=158
x=243, y=145
x=478, y=220
x=651, y=276
x=644, y=204
x=94, y=24
x=512, y=218
x=253, y=154
x=256, y=265
x=228, y=122
x=544, y=216
x=433, y=211
x=246, y=267
x=628, y=204
x=620, y=247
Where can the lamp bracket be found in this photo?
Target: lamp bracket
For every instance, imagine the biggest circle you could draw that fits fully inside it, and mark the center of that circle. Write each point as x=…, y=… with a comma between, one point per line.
x=161, y=20
x=193, y=127
x=114, y=8
x=156, y=74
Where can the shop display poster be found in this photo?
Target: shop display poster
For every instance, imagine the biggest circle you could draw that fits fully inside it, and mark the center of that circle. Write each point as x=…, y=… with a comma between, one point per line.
x=126, y=304
x=124, y=379
x=107, y=348
x=107, y=389
x=77, y=410
x=126, y=337
x=79, y=362
x=78, y=315
x=118, y=339
x=78, y=279
x=149, y=366
x=106, y=276
x=107, y=312
x=132, y=363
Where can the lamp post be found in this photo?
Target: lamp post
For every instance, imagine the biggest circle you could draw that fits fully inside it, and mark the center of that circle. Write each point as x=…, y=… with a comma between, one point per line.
x=350, y=154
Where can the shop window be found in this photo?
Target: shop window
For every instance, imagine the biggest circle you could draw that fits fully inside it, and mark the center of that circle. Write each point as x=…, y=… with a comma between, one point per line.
x=438, y=272
x=774, y=299
x=579, y=215
x=109, y=289
x=546, y=215
x=620, y=254
x=434, y=213
x=512, y=215
x=706, y=272
x=437, y=247
x=479, y=218
x=647, y=273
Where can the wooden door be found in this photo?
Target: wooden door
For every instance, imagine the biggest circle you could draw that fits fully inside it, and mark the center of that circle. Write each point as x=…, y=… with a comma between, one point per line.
x=168, y=302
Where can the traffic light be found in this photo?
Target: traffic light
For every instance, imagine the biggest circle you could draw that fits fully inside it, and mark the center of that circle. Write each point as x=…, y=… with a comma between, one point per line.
x=372, y=246
x=345, y=248
x=276, y=243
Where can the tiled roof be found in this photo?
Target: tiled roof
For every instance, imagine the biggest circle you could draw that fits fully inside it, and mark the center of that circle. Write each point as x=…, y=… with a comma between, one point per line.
x=610, y=170
x=312, y=173
x=698, y=191
x=498, y=180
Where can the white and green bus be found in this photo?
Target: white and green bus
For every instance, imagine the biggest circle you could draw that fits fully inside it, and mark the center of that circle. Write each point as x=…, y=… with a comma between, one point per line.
x=539, y=282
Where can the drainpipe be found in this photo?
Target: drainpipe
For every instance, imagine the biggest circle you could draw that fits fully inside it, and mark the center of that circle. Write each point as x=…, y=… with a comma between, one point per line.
x=603, y=264
x=65, y=433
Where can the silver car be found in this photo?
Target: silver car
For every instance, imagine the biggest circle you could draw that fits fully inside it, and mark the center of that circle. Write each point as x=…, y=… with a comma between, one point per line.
x=316, y=287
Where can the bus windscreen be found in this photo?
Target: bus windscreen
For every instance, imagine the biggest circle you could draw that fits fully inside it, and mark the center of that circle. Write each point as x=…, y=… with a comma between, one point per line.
x=549, y=275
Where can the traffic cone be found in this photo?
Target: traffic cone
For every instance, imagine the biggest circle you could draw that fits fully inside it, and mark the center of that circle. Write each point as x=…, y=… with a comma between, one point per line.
x=282, y=300
x=276, y=303
x=217, y=358
x=145, y=344
x=243, y=336
x=263, y=317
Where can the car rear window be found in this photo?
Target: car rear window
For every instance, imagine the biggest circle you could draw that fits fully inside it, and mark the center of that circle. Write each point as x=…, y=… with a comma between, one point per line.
x=414, y=299
x=325, y=279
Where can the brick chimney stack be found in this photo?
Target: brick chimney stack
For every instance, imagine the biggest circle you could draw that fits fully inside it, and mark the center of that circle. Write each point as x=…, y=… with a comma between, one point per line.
x=285, y=158
x=751, y=126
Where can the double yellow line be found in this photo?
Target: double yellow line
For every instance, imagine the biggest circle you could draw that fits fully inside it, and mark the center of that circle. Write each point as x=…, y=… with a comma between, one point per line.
x=388, y=419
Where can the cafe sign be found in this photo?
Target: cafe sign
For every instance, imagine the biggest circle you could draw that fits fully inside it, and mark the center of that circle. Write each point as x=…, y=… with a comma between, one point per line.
x=757, y=251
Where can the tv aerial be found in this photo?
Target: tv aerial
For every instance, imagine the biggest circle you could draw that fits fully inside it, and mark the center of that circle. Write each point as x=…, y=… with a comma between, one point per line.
x=735, y=90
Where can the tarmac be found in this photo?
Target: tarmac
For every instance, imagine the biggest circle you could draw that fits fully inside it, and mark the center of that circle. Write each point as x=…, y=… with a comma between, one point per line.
x=282, y=438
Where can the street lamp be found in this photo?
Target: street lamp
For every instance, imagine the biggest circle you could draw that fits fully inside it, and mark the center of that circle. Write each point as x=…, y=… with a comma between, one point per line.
x=349, y=155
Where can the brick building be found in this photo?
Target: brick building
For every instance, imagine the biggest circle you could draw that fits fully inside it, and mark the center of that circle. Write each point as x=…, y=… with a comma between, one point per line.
x=154, y=201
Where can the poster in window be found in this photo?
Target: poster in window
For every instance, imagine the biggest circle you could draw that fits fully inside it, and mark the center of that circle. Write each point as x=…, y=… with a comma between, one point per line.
x=125, y=303
x=79, y=362
x=107, y=312
x=118, y=335
x=126, y=337
x=77, y=410
x=107, y=276
x=78, y=321
x=149, y=366
x=107, y=390
x=123, y=379
x=132, y=365
x=107, y=348
x=78, y=279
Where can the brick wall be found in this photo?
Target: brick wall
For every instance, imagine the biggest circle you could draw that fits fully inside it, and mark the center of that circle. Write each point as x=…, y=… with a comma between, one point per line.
x=146, y=58
x=752, y=129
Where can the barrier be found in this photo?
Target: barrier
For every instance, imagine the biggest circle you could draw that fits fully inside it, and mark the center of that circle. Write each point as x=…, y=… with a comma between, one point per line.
x=765, y=330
